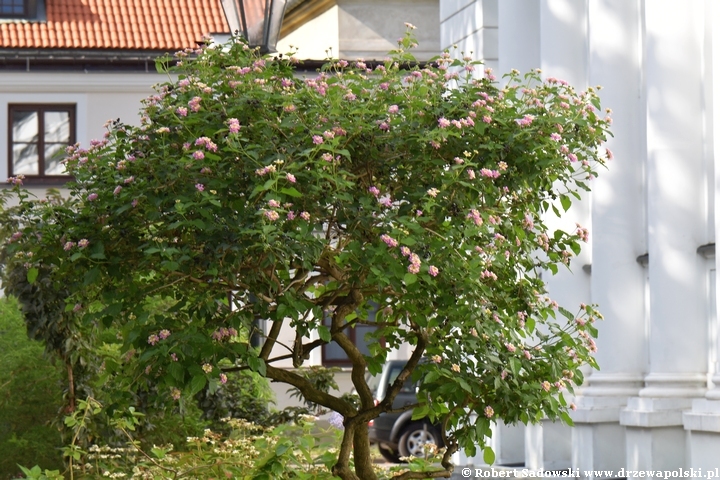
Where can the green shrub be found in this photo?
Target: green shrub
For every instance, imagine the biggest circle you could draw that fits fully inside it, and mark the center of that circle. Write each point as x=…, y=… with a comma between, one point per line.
x=30, y=398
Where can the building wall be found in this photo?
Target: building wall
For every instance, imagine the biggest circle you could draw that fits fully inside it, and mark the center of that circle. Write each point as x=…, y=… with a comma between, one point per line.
x=367, y=29
x=98, y=97
x=658, y=62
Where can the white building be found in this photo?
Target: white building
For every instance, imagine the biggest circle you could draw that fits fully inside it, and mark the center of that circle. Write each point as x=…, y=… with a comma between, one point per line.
x=654, y=404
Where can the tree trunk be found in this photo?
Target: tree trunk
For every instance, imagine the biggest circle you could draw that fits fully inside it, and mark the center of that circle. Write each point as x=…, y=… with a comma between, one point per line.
x=355, y=439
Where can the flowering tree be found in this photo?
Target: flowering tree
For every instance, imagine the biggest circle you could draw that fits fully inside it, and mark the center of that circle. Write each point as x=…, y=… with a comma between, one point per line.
x=414, y=191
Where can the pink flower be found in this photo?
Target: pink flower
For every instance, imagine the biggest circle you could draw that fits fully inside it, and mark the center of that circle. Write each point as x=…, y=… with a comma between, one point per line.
x=223, y=378
x=305, y=216
x=572, y=157
x=511, y=348
x=92, y=197
x=182, y=111
x=194, y=104
x=609, y=154
x=68, y=246
x=443, y=122
x=200, y=187
x=385, y=202
x=393, y=109
x=129, y=180
x=433, y=270
x=174, y=357
x=271, y=215
x=384, y=126
x=291, y=215
x=233, y=125
x=117, y=190
x=546, y=386
x=198, y=155
x=486, y=119
x=374, y=190
x=389, y=241
x=555, y=136
x=273, y=203
x=317, y=139
x=471, y=173
x=405, y=251
x=175, y=393
x=83, y=243
x=153, y=339
x=525, y=121
x=489, y=412
x=433, y=192
x=290, y=178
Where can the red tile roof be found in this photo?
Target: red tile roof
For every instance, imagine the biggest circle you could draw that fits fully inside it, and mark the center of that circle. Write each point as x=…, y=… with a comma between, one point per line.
x=168, y=25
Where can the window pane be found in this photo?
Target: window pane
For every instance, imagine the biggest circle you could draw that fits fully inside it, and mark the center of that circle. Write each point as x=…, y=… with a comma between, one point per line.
x=25, y=158
x=54, y=153
x=25, y=126
x=57, y=127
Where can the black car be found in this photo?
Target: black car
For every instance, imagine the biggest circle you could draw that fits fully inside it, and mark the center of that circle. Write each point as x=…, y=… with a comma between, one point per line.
x=397, y=434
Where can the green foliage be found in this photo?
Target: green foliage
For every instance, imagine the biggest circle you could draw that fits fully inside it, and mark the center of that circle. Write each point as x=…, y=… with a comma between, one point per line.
x=411, y=199
x=246, y=395
x=30, y=397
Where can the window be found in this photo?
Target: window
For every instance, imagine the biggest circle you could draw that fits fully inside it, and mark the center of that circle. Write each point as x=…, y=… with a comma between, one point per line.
x=38, y=135
x=334, y=355
x=13, y=8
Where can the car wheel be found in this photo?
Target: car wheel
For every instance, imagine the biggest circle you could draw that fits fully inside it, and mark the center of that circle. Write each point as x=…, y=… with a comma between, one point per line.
x=389, y=454
x=414, y=437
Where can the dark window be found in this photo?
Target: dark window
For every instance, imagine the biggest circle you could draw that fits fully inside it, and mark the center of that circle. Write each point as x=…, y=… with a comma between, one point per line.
x=333, y=355
x=13, y=8
x=38, y=135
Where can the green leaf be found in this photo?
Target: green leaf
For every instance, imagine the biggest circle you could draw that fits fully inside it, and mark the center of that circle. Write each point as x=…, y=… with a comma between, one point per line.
x=324, y=333
x=409, y=279
x=91, y=276
x=488, y=456
x=566, y=418
x=566, y=313
x=291, y=191
x=565, y=202
x=32, y=275
x=197, y=383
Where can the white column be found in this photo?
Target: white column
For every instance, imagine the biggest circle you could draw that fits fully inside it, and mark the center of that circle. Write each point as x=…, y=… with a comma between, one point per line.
x=702, y=423
x=551, y=35
x=676, y=227
x=618, y=236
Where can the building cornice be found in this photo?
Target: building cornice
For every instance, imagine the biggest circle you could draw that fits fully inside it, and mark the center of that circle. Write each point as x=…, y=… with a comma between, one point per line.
x=78, y=82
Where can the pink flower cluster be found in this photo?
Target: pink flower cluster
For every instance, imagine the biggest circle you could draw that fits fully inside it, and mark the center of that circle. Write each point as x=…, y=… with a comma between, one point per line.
x=486, y=172
x=475, y=216
x=161, y=335
x=414, y=266
x=233, y=125
x=222, y=333
x=488, y=274
x=389, y=241
x=265, y=170
x=194, y=104
x=525, y=121
x=207, y=143
x=582, y=232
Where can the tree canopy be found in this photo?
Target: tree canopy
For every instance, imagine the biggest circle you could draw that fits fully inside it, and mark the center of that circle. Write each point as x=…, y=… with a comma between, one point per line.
x=406, y=196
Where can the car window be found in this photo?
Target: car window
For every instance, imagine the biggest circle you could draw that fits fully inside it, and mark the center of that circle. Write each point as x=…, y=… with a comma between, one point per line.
x=408, y=386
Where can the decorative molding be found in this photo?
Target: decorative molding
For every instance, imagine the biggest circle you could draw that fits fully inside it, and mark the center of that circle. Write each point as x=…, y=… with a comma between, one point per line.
x=302, y=14
x=22, y=82
x=643, y=260
x=707, y=250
